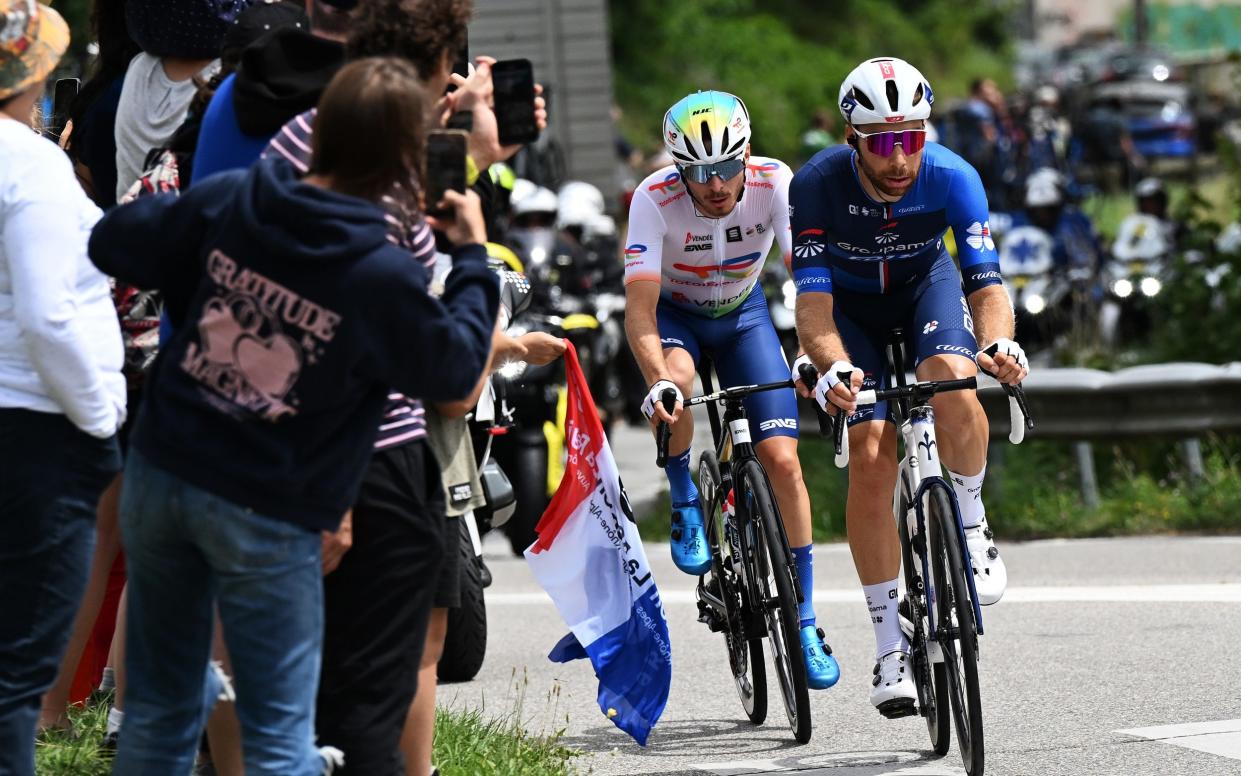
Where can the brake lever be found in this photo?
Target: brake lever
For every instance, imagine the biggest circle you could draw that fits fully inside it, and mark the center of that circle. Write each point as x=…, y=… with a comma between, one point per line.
x=663, y=432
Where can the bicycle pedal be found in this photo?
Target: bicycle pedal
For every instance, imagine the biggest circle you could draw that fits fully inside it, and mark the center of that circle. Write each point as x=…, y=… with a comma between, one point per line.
x=897, y=708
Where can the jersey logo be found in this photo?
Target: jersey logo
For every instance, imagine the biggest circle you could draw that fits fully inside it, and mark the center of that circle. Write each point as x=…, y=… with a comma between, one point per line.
x=733, y=233
x=731, y=268
x=635, y=250
x=764, y=170
x=697, y=242
x=669, y=185
x=863, y=210
x=768, y=425
x=808, y=243
x=930, y=327
x=980, y=236
x=885, y=237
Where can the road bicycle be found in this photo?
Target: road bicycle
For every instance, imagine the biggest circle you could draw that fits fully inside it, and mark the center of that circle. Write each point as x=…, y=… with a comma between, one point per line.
x=939, y=612
x=753, y=591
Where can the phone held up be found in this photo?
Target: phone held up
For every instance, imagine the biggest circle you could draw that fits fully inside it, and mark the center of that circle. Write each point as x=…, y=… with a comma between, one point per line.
x=445, y=167
x=514, y=101
x=62, y=99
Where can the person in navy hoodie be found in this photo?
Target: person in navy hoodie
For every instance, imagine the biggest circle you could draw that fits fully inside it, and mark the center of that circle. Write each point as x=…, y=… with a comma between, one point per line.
x=294, y=316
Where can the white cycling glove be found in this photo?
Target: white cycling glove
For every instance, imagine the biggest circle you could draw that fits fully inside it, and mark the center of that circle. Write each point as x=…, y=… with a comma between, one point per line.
x=1008, y=348
x=829, y=381
x=795, y=371
x=653, y=397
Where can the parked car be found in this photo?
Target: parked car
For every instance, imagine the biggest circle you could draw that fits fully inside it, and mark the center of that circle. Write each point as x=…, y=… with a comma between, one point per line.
x=1157, y=114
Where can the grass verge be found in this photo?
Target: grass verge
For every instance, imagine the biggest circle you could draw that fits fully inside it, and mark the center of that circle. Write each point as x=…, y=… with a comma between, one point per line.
x=466, y=744
x=1033, y=491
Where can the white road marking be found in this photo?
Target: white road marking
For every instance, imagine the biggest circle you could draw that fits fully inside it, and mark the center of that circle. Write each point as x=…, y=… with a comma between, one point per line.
x=840, y=764
x=1227, y=593
x=1221, y=738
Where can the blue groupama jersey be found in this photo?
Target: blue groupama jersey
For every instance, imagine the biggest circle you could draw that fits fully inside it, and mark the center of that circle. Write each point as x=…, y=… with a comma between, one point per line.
x=843, y=239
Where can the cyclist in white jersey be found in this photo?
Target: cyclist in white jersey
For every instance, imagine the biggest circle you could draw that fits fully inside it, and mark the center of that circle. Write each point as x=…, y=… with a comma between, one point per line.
x=699, y=233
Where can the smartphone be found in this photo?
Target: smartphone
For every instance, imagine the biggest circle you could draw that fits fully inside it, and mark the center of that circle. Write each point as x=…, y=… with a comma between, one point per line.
x=445, y=166
x=62, y=100
x=514, y=101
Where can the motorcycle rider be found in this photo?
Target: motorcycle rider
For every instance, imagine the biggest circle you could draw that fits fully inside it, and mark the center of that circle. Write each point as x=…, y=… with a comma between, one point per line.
x=1076, y=244
x=699, y=230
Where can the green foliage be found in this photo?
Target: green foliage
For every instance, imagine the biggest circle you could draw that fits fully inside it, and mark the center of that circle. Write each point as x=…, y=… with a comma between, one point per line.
x=786, y=58
x=75, y=752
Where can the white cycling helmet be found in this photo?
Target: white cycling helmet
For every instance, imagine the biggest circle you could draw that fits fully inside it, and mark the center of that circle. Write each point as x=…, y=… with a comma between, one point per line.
x=533, y=199
x=1045, y=188
x=885, y=90
x=706, y=127
x=579, y=204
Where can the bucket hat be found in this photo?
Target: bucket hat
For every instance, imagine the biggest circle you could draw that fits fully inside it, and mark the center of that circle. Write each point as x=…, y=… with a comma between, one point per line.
x=33, y=38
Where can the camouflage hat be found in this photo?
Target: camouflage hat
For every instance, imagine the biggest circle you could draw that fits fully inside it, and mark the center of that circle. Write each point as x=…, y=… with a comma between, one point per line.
x=33, y=38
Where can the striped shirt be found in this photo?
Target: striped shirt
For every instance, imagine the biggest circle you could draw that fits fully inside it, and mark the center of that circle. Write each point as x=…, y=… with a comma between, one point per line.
x=404, y=417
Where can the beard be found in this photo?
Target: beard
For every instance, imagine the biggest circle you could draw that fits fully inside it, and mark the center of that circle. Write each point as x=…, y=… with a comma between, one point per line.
x=876, y=178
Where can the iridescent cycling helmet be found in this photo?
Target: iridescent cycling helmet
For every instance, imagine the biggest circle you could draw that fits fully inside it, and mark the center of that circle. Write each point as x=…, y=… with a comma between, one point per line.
x=885, y=90
x=706, y=127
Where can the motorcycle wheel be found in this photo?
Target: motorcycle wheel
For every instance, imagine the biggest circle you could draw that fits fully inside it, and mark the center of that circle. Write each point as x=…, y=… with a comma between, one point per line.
x=465, y=641
x=529, y=477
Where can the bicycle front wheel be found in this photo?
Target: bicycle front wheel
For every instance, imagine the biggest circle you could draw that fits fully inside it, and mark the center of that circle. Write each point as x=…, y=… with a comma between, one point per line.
x=745, y=654
x=956, y=630
x=775, y=592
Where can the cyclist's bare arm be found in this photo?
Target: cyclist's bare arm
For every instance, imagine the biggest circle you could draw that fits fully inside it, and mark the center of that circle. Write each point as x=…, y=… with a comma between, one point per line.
x=818, y=337
x=993, y=320
x=642, y=329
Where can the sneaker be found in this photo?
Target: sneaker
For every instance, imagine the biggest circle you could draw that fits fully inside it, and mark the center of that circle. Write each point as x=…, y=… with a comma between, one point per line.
x=822, y=670
x=990, y=576
x=333, y=758
x=892, y=689
x=689, y=539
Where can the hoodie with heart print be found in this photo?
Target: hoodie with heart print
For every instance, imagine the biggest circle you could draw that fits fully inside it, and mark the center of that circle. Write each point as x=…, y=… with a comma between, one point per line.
x=294, y=316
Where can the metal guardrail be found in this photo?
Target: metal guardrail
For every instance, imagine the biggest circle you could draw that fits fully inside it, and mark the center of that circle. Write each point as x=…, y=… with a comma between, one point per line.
x=1178, y=399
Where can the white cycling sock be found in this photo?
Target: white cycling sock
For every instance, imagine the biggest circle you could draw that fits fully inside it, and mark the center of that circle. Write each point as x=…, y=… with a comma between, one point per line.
x=882, y=600
x=969, y=496
x=115, y=718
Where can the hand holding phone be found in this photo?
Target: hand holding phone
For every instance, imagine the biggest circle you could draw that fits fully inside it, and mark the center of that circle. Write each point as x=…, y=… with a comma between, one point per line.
x=465, y=224
x=513, y=80
x=62, y=100
x=445, y=167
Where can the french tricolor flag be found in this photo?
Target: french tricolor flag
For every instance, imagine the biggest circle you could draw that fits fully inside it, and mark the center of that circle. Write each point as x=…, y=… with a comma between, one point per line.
x=590, y=560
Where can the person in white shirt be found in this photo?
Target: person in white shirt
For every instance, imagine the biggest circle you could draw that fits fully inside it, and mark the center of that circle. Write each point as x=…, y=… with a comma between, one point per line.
x=62, y=396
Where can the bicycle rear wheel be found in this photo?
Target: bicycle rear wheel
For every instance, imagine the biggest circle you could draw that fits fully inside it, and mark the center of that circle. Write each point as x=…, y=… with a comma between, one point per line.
x=956, y=631
x=773, y=586
x=745, y=655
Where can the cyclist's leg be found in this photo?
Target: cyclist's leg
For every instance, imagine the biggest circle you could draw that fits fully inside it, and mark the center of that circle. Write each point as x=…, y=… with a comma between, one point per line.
x=944, y=344
x=688, y=536
x=748, y=354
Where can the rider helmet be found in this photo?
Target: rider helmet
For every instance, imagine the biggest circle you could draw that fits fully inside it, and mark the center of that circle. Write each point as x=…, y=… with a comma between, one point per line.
x=1045, y=188
x=885, y=90
x=706, y=127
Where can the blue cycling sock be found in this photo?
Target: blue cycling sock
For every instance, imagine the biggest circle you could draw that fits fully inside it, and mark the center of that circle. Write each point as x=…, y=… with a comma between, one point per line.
x=802, y=556
x=679, y=481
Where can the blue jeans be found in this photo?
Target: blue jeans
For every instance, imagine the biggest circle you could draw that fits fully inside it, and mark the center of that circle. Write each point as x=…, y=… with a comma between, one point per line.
x=51, y=475
x=187, y=552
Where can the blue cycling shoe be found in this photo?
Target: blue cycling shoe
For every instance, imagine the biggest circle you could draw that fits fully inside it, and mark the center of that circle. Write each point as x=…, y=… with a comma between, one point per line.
x=689, y=539
x=822, y=670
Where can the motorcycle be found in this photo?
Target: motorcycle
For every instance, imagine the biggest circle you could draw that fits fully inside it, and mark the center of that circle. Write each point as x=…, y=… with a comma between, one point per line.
x=1039, y=292
x=1133, y=276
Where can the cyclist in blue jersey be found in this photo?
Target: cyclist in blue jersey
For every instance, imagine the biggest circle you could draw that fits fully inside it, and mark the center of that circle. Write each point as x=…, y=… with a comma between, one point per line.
x=699, y=232
x=868, y=221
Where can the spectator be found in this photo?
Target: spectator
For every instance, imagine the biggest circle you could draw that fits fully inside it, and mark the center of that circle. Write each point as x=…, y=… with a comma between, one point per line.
x=294, y=314
x=62, y=396
x=1108, y=146
x=180, y=41
x=278, y=79
x=92, y=142
x=819, y=135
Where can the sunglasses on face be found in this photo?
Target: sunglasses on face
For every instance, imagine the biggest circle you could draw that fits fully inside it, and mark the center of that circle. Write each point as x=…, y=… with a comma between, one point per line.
x=911, y=141
x=701, y=173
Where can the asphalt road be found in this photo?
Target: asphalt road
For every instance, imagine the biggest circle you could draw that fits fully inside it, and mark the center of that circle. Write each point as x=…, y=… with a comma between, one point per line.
x=1094, y=638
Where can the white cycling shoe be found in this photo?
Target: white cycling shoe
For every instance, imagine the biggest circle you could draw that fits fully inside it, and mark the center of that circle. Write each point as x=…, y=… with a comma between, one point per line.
x=892, y=689
x=990, y=576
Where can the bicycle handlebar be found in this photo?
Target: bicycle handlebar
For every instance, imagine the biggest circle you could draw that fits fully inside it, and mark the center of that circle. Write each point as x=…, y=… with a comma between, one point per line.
x=837, y=422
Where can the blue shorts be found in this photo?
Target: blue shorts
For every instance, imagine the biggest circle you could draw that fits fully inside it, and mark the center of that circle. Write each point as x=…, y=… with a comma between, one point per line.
x=933, y=313
x=746, y=351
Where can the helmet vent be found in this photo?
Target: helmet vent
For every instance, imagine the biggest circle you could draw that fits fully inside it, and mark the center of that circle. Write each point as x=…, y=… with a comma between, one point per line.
x=894, y=96
x=724, y=139
x=737, y=146
x=706, y=137
x=917, y=95
x=862, y=99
